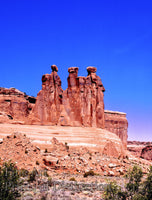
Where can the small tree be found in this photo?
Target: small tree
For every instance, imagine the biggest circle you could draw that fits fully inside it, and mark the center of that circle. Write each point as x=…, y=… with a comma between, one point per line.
x=147, y=188
x=114, y=192
x=135, y=176
x=132, y=189
x=9, y=180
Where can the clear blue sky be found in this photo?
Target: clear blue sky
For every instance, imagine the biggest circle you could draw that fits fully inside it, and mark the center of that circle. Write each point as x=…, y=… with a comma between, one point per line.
x=114, y=36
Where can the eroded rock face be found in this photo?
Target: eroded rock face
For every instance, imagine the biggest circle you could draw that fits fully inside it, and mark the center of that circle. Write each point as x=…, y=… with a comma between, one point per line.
x=14, y=104
x=80, y=105
x=117, y=123
x=140, y=149
x=49, y=100
x=147, y=153
x=83, y=99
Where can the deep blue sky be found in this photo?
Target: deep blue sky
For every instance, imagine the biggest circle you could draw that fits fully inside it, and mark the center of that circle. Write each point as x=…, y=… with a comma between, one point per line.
x=114, y=36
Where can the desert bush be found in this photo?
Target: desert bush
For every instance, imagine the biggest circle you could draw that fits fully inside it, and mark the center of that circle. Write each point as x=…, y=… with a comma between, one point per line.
x=9, y=181
x=135, y=189
x=114, y=192
x=72, y=179
x=23, y=172
x=66, y=146
x=37, y=163
x=26, y=151
x=135, y=175
x=50, y=181
x=89, y=173
x=45, y=173
x=147, y=186
x=32, y=175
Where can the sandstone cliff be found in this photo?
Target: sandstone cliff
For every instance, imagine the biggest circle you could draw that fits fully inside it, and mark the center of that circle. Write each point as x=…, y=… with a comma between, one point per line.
x=117, y=123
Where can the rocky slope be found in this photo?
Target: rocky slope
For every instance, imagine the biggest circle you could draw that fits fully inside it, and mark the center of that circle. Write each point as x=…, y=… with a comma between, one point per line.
x=59, y=151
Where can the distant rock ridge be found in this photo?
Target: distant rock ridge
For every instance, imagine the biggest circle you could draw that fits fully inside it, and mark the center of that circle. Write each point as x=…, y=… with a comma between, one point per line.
x=81, y=104
x=140, y=149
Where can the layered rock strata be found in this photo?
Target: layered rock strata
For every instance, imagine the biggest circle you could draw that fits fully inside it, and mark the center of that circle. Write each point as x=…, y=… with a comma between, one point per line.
x=117, y=123
x=140, y=149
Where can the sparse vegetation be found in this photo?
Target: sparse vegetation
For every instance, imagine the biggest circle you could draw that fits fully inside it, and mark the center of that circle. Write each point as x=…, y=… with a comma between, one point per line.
x=50, y=181
x=89, y=173
x=9, y=181
x=23, y=172
x=135, y=189
x=66, y=145
x=45, y=151
x=72, y=179
x=32, y=175
x=45, y=173
x=37, y=163
x=26, y=151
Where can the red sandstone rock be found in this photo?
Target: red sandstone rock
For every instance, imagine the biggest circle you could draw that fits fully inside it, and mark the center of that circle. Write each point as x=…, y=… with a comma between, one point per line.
x=15, y=104
x=136, y=148
x=117, y=123
x=83, y=100
x=81, y=104
x=110, y=150
x=49, y=100
x=147, y=153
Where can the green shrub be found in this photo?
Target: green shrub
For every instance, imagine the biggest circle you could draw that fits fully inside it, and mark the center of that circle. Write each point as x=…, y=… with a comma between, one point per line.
x=135, y=189
x=114, y=192
x=50, y=181
x=45, y=173
x=32, y=175
x=9, y=181
x=135, y=175
x=147, y=186
x=23, y=172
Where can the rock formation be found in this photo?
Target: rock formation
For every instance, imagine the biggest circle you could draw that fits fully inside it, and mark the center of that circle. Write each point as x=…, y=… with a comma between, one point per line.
x=140, y=149
x=147, y=153
x=15, y=104
x=117, y=123
x=49, y=100
x=81, y=104
x=83, y=100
